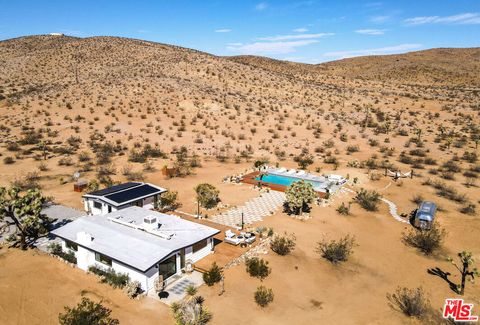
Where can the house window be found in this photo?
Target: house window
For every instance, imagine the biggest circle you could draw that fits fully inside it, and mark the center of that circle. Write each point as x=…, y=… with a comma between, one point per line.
x=200, y=245
x=168, y=267
x=97, y=205
x=71, y=245
x=103, y=259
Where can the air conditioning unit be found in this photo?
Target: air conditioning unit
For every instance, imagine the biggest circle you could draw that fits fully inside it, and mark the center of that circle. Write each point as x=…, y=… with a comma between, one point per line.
x=150, y=223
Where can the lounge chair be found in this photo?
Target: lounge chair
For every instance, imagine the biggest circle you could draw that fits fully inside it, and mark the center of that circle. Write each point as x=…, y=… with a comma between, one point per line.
x=278, y=170
x=233, y=239
x=249, y=237
x=301, y=173
x=291, y=172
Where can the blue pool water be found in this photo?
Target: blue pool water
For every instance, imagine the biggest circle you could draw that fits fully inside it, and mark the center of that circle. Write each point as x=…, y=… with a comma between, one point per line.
x=284, y=180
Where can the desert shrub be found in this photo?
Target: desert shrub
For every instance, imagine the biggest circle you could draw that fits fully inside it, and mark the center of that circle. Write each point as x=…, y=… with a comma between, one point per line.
x=132, y=289
x=304, y=159
x=426, y=241
x=8, y=160
x=451, y=166
x=116, y=280
x=412, y=302
x=283, y=245
x=87, y=312
x=257, y=267
x=263, y=296
x=368, y=199
x=344, y=209
x=353, y=148
x=13, y=146
x=469, y=209
x=336, y=251
x=213, y=275
x=56, y=249
x=417, y=199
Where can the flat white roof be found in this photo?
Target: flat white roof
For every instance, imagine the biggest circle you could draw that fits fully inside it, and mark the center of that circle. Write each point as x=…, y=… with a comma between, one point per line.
x=119, y=236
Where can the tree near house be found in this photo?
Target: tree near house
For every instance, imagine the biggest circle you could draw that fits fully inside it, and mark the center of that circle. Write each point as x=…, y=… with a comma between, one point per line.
x=207, y=196
x=87, y=312
x=298, y=196
x=24, y=213
x=168, y=201
x=466, y=269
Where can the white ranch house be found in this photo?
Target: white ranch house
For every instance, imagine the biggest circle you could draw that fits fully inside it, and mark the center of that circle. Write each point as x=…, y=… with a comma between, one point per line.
x=144, y=244
x=122, y=196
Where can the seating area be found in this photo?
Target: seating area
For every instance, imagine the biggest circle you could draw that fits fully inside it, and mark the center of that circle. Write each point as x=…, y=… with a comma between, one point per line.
x=244, y=238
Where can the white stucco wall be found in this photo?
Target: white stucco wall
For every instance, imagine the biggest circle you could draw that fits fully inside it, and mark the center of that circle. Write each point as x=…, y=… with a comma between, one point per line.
x=86, y=258
x=88, y=205
x=198, y=255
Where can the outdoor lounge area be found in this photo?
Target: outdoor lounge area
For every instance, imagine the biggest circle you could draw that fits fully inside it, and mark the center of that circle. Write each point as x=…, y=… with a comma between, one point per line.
x=279, y=179
x=243, y=239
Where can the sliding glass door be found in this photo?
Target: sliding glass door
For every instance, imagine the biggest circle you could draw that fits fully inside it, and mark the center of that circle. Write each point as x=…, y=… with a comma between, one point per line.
x=168, y=267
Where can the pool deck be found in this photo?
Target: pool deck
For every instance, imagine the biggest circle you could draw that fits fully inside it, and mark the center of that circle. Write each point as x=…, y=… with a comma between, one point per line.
x=250, y=179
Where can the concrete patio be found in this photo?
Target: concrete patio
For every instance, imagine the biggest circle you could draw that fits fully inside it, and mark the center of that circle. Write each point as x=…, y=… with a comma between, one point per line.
x=176, y=290
x=253, y=211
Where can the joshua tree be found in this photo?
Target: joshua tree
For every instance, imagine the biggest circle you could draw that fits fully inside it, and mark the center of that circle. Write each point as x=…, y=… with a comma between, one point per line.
x=24, y=212
x=466, y=269
x=207, y=196
x=298, y=196
x=418, y=132
x=191, y=312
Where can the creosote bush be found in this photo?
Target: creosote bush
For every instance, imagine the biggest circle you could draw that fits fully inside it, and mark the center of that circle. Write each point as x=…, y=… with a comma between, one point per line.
x=283, y=245
x=257, y=267
x=427, y=241
x=336, y=251
x=412, y=302
x=368, y=199
x=87, y=312
x=263, y=296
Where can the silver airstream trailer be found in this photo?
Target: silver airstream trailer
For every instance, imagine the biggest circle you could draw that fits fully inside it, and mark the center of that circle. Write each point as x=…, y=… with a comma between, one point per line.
x=425, y=215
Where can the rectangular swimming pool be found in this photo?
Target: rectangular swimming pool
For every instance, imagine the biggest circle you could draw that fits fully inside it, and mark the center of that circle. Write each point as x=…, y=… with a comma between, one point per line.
x=287, y=180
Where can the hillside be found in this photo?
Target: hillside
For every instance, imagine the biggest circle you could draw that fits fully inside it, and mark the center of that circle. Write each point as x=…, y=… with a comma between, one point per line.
x=116, y=109
x=447, y=66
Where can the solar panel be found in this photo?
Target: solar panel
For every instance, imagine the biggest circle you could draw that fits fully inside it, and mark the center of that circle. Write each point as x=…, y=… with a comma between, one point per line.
x=132, y=194
x=115, y=188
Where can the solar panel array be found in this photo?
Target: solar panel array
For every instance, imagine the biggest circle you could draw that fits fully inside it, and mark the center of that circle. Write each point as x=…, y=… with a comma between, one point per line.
x=115, y=188
x=131, y=194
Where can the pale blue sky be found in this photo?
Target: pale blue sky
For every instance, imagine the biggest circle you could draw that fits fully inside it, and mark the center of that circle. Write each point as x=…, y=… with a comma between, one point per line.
x=305, y=31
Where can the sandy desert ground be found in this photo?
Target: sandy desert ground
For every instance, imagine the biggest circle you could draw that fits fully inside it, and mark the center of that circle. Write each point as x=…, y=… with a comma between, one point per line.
x=119, y=109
